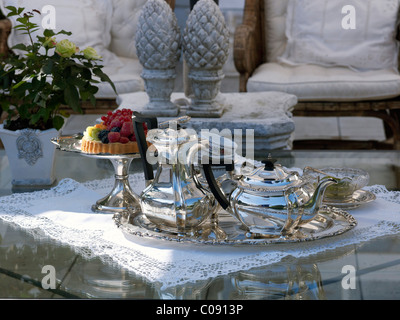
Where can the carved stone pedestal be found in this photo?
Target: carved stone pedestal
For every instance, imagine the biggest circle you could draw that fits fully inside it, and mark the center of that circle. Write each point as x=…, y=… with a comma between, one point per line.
x=205, y=86
x=159, y=86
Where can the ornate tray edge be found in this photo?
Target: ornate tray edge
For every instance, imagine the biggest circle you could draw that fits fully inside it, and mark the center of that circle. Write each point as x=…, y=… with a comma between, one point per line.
x=137, y=231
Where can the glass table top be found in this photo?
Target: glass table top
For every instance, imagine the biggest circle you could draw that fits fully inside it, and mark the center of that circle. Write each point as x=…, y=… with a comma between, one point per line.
x=375, y=264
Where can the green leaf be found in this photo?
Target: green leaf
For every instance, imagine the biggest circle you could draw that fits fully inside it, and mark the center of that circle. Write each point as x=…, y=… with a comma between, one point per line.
x=84, y=95
x=13, y=11
x=48, y=66
x=48, y=33
x=23, y=20
x=20, y=46
x=86, y=74
x=71, y=96
x=58, y=122
x=64, y=32
x=19, y=84
x=103, y=77
x=35, y=118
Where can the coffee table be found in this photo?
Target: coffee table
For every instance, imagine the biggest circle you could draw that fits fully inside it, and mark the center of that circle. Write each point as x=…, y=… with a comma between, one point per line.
x=376, y=263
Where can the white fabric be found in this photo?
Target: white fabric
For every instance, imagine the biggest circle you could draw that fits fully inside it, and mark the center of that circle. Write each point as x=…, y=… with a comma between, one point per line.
x=88, y=20
x=64, y=213
x=275, y=28
x=126, y=78
x=317, y=83
x=107, y=25
x=316, y=35
x=124, y=25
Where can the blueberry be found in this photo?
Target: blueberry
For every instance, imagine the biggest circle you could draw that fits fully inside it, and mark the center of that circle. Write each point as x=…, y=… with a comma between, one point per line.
x=116, y=129
x=103, y=136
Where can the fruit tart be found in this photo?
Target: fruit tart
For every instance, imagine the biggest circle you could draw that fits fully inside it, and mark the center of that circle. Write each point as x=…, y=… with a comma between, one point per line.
x=114, y=135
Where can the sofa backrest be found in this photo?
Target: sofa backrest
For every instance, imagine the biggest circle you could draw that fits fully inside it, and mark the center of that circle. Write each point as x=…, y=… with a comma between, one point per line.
x=124, y=25
x=361, y=36
x=105, y=24
x=275, y=25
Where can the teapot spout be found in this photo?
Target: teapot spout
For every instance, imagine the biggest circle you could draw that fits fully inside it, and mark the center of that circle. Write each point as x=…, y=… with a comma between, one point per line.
x=312, y=207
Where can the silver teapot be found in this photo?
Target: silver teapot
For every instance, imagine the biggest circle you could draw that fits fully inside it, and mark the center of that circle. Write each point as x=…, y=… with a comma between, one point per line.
x=174, y=199
x=269, y=201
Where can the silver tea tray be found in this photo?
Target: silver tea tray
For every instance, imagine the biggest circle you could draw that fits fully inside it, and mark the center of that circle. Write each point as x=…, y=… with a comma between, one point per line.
x=328, y=222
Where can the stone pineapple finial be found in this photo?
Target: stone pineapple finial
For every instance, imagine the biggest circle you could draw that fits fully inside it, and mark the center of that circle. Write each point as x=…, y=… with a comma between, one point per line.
x=206, y=49
x=158, y=46
x=158, y=38
x=206, y=37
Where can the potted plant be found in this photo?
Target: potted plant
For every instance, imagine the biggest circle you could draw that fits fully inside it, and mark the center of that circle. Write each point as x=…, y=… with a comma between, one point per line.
x=34, y=84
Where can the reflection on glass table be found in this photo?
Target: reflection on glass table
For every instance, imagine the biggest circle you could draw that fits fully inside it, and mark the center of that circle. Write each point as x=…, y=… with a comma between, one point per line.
x=80, y=275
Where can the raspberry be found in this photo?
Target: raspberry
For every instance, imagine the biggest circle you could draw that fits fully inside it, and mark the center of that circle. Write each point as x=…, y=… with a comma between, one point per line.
x=123, y=140
x=127, y=129
x=114, y=137
x=115, y=123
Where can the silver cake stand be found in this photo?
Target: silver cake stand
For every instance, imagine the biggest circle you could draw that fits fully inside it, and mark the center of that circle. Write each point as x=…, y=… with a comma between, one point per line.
x=121, y=198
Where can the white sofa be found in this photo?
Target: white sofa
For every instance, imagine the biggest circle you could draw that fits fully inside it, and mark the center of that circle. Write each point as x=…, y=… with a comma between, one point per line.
x=308, y=48
x=107, y=25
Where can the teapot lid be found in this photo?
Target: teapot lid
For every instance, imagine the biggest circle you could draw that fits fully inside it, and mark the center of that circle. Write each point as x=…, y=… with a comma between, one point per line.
x=270, y=177
x=168, y=136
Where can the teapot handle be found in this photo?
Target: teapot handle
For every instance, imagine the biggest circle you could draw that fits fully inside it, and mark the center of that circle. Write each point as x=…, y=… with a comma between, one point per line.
x=138, y=128
x=212, y=183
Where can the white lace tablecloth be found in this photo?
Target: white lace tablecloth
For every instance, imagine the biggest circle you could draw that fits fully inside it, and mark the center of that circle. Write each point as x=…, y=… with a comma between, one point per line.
x=64, y=213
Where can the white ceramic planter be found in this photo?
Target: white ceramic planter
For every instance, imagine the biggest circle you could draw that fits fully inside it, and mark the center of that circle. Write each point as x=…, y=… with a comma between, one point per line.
x=31, y=156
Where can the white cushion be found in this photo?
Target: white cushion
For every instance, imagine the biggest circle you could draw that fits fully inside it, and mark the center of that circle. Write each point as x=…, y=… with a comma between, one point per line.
x=93, y=23
x=88, y=20
x=317, y=83
x=275, y=27
x=316, y=35
x=124, y=25
x=126, y=78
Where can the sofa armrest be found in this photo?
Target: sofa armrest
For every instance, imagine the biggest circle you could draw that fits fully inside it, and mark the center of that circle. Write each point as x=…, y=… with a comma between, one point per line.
x=249, y=46
x=5, y=29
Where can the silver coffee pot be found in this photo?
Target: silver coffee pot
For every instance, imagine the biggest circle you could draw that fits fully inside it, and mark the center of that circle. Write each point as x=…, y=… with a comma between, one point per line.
x=174, y=199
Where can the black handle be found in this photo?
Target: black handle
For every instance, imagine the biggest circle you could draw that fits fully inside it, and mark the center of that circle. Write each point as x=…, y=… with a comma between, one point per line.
x=213, y=185
x=152, y=123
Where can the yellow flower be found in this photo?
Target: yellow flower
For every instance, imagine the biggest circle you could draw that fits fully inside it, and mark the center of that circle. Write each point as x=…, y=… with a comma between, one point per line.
x=66, y=48
x=91, y=54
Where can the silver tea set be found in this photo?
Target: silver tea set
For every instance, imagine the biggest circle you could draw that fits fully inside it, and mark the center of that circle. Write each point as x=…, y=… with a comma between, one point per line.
x=184, y=195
